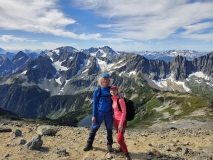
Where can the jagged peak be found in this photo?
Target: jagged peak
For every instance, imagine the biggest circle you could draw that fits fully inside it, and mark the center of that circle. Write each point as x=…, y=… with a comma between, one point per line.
x=67, y=48
x=19, y=55
x=179, y=58
x=105, y=48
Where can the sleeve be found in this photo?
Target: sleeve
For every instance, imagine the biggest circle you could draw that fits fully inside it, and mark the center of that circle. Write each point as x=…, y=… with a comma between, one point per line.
x=95, y=103
x=123, y=108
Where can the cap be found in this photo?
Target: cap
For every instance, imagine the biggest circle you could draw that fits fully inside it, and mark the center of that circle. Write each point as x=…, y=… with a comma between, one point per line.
x=114, y=87
x=105, y=75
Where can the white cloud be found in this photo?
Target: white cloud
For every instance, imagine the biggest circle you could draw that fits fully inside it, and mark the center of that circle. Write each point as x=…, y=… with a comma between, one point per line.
x=40, y=16
x=196, y=31
x=197, y=27
x=151, y=19
x=125, y=21
x=36, y=46
x=7, y=38
x=104, y=25
x=205, y=37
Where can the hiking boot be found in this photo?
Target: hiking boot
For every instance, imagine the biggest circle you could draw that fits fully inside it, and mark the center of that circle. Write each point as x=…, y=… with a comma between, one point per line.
x=88, y=147
x=109, y=148
x=128, y=157
x=117, y=150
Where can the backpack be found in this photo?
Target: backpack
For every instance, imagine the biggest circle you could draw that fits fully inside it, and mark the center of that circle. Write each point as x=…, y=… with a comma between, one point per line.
x=130, y=109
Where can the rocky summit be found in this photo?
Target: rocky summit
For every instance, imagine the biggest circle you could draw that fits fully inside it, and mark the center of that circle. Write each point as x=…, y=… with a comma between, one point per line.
x=177, y=140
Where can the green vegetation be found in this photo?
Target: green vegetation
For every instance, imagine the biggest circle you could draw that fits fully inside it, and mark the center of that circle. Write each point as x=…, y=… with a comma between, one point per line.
x=85, y=110
x=203, y=91
x=151, y=105
x=22, y=100
x=147, y=115
x=171, y=104
x=191, y=104
x=170, y=110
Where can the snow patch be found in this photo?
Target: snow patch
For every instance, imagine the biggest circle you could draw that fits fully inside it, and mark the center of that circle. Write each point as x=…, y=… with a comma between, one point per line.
x=162, y=83
x=210, y=84
x=85, y=71
x=103, y=54
x=59, y=67
x=24, y=72
x=49, y=54
x=168, y=75
x=82, y=66
x=121, y=73
x=58, y=80
x=119, y=66
x=35, y=66
x=56, y=51
x=183, y=84
x=132, y=73
x=200, y=75
x=103, y=65
x=67, y=82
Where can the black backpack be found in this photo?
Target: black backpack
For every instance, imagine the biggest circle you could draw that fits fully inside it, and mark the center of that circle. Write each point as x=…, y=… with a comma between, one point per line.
x=130, y=109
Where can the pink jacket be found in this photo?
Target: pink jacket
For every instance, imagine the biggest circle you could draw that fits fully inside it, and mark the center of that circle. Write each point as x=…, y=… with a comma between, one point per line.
x=121, y=116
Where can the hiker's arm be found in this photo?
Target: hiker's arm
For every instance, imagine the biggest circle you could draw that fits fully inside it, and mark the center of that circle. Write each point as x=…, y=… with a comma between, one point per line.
x=95, y=106
x=123, y=110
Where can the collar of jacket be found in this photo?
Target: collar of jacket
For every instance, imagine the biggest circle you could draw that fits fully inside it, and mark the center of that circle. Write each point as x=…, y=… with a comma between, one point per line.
x=115, y=97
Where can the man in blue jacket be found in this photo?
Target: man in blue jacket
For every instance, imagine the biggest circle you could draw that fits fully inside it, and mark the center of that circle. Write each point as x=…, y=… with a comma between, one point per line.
x=102, y=111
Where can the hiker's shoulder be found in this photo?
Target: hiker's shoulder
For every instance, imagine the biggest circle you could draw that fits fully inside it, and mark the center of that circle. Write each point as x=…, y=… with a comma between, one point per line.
x=121, y=99
x=96, y=90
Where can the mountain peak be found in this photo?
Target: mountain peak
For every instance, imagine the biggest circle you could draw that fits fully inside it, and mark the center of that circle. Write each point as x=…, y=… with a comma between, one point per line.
x=19, y=55
x=105, y=51
x=68, y=48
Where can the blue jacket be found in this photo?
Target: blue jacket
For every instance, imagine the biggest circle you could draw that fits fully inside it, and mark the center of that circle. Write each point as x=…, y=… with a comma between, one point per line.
x=105, y=101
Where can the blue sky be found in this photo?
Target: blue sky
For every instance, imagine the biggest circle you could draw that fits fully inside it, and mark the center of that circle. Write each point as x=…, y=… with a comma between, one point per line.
x=124, y=25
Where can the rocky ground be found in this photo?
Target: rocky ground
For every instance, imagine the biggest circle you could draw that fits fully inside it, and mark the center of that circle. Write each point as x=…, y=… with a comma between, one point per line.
x=179, y=140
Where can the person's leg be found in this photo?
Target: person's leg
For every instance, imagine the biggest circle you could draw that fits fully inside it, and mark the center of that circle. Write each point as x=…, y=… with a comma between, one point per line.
x=116, y=123
x=120, y=139
x=92, y=134
x=90, y=139
x=109, y=124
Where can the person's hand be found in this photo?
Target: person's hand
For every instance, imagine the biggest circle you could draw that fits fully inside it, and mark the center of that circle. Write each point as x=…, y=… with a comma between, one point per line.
x=93, y=119
x=120, y=128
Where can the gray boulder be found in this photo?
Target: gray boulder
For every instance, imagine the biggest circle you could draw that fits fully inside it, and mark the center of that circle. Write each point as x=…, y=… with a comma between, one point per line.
x=47, y=130
x=4, y=129
x=21, y=142
x=35, y=143
x=17, y=133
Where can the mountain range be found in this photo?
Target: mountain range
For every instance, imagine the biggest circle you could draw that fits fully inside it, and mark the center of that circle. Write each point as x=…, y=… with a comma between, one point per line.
x=64, y=78
x=170, y=54
x=66, y=70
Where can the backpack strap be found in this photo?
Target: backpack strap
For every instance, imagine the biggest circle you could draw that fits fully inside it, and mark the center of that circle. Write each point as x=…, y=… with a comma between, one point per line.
x=119, y=107
x=99, y=93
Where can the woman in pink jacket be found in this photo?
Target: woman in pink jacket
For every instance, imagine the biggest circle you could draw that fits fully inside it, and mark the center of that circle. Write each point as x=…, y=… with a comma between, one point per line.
x=119, y=120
